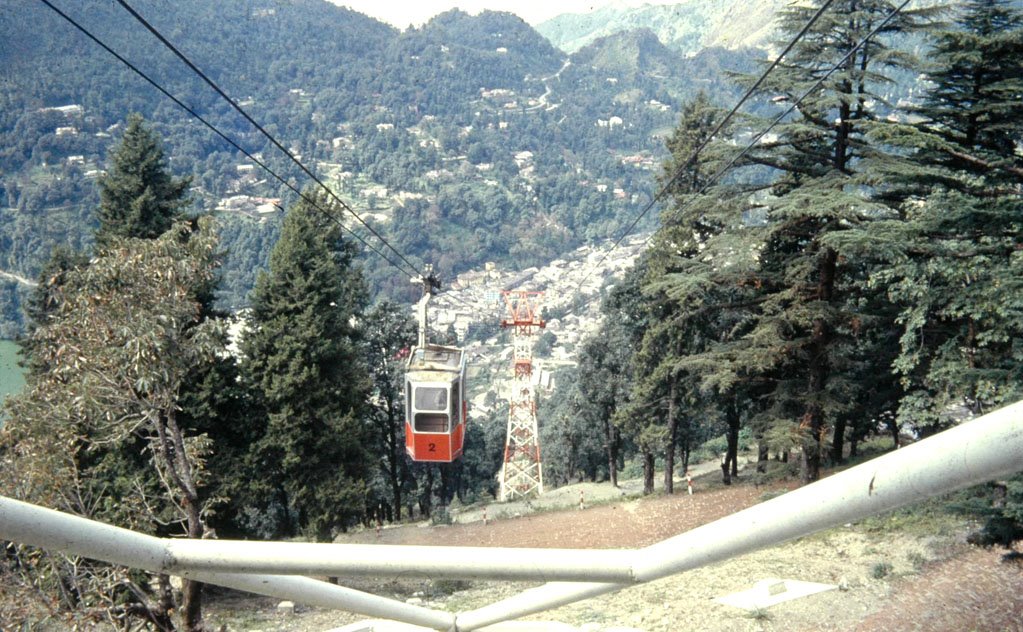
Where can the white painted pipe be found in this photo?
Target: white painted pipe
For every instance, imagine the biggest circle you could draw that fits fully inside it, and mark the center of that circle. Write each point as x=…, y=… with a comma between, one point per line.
x=185, y=557
x=546, y=597
x=312, y=592
x=46, y=528
x=977, y=451
x=189, y=558
x=986, y=448
x=49, y=529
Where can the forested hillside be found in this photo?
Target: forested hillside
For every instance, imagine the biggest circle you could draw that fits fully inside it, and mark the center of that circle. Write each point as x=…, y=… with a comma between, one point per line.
x=469, y=139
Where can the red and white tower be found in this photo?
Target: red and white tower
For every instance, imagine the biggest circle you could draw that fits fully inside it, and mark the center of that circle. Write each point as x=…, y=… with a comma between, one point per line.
x=522, y=474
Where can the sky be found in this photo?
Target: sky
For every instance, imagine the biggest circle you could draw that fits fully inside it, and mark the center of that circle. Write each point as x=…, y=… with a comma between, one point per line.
x=405, y=12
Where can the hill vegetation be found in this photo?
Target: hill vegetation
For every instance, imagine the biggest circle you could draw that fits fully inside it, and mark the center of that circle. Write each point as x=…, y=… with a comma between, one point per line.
x=841, y=281
x=460, y=139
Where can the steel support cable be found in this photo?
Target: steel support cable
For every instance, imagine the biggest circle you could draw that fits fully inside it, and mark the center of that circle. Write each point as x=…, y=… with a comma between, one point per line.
x=756, y=139
x=259, y=127
x=216, y=131
x=717, y=128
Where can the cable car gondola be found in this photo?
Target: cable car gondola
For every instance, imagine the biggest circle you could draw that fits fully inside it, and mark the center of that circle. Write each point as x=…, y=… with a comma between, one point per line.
x=435, y=408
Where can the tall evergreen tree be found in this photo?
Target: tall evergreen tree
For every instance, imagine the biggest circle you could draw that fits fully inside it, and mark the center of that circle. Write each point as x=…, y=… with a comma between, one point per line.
x=139, y=201
x=390, y=334
x=691, y=292
x=808, y=310
x=138, y=196
x=968, y=124
x=604, y=379
x=951, y=261
x=633, y=402
x=43, y=302
x=573, y=447
x=302, y=356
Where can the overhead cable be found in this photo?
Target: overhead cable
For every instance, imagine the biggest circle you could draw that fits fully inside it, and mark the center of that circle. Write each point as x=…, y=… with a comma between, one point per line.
x=259, y=127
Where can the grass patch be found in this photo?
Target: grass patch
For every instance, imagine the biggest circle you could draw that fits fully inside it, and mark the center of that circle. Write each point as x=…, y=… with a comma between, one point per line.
x=766, y=496
x=441, y=516
x=881, y=570
x=917, y=559
x=868, y=449
x=758, y=614
x=933, y=517
x=774, y=472
x=449, y=586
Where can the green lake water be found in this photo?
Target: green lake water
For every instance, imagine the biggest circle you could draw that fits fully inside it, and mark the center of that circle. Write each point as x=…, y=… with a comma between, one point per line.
x=12, y=376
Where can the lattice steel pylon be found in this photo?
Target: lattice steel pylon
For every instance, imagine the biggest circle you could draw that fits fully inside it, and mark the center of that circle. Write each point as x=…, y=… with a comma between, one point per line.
x=522, y=473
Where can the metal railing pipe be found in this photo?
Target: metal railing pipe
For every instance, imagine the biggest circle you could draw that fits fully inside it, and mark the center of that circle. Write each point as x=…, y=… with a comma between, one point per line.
x=313, y=592
x=186, y=557
x=986, y=448
x=980, y=450
x=50, y=529
x=546, y=597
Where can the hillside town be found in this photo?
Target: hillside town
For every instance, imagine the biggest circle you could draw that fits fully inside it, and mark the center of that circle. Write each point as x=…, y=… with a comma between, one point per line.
x=472, y=305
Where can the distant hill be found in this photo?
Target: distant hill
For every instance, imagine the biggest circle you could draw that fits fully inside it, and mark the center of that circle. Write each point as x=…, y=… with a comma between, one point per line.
x=687, y=27
x=628, y=53
x=464, y=54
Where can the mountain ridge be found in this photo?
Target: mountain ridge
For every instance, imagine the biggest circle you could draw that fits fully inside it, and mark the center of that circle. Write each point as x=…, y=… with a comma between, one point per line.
x=687, y=27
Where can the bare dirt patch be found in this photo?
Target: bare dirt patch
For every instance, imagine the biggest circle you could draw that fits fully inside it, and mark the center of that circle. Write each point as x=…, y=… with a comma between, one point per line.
x=626, y=524
x=972, y=590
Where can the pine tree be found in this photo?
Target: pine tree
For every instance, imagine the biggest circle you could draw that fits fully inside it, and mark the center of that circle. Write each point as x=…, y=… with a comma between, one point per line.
x=302, y=357
x=43, y=302
x=573, y=447
x=625, y=395
x=951, y=261
x=390, y=334
x=967, y=138
x=605, y=375
x=140, y=200
x=138, y=196
x=808, y=310
x=690, y=287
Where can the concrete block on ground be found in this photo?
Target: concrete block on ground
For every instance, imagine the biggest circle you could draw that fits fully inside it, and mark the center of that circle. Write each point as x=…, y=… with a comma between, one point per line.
x=286, y=608
x=769, y=592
